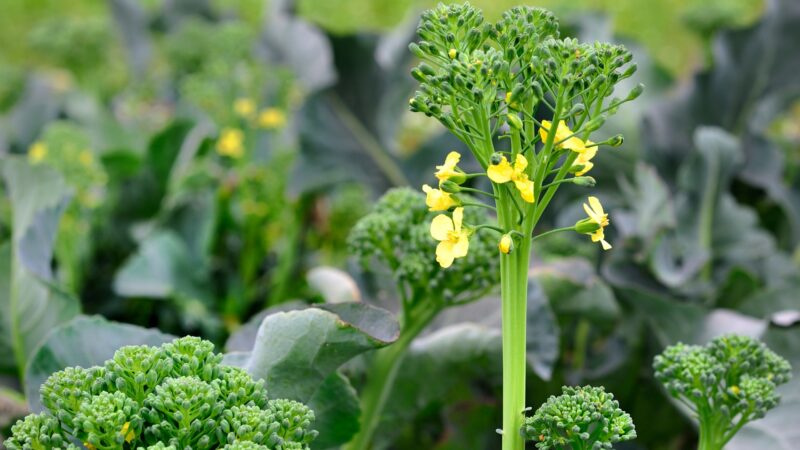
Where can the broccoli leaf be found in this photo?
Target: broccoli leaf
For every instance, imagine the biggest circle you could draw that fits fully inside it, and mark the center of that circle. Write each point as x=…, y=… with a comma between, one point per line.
x=84, y=341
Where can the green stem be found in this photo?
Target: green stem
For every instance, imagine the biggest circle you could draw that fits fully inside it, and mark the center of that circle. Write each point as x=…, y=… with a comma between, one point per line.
x=553, y=231
x=382, y=375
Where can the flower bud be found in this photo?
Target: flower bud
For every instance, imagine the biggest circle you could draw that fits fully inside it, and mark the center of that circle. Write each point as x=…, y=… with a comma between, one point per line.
x=595, y=123
x=635, y=92
x=496, y=158
x=514, y=121
x=586, y=226
x=452, y=53
x=506, y=244
x=416, y=50
x=451, y=187
x=616, y=141
x=427, y=70
x=418, y=75
x=584, y=181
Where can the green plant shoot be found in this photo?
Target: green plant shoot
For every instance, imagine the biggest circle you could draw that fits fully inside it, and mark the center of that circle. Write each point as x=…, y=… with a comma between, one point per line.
x=487, y=81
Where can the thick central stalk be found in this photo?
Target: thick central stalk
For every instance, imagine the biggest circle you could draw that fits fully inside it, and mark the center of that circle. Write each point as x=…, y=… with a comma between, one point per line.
x=514, y=293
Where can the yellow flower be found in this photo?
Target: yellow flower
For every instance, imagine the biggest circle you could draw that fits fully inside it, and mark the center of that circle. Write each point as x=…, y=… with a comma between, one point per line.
x=127, y=432
x=453, y=239
x=595, y=212
x=448, y=169
x=37, y=152
x=585, y=159
x=735, y=389
x=562, y=137
x=452, y=53
x=505, y=172
x=244, y=107
x=86, y=158
x=437, y=199
x=231, y=143
x=506, y=244
x=271, y=118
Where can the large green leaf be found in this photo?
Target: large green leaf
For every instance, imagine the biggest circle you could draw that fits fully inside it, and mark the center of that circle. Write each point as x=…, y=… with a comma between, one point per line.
x=38, y=195
x=296, y=351
x=84, y=341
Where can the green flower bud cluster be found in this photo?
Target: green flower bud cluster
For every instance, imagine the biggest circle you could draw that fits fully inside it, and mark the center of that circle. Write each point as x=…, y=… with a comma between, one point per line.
x=396, y=234
x=472, y=72
x=175, y=396
x=728, y=382
x=585, y=417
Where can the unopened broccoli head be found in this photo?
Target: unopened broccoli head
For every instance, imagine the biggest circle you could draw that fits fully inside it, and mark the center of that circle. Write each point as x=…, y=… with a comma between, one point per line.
x=727, y=383
x=581, y=417
x=176, y=396
x=396, y=234
x=38, y=431
x=64, y=391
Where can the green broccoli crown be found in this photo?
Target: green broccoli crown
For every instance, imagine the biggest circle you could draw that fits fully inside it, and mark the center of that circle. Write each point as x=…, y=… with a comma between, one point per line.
x=136, y=370
x=396, y=233
x=581, y=417
x=191, y=355
x=64, y=391
x=245, y=445
x=174, y=396
x=108, y=420
x=38, y=431
x=729, y=382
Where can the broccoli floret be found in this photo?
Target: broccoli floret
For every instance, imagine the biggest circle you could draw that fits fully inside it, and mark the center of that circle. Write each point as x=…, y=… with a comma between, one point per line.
x=585, y=417
x=240, y=389
x=64, y=391
x=38, y=432
x=245, y=445
x=136, y=370
x=193, y=356
x=727, y=383
x=250, y=423
x=396, y=233
x=158, y=446
x=141, y=400
x=295, y=420
x=183, y=412
x=107, y=421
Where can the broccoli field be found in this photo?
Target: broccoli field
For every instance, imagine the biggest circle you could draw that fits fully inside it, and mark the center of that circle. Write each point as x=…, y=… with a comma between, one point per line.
x=399, y=225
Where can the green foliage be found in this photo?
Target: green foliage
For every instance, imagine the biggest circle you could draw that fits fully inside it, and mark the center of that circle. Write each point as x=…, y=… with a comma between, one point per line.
x=177, y=395
x=727, y=383
x=396, y=235
x=581, y=418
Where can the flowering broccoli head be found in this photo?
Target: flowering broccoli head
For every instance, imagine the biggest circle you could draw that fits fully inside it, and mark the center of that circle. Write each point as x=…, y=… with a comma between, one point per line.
x=581, y=417
x=171, y=397
x=396, y=234
x=726, y=383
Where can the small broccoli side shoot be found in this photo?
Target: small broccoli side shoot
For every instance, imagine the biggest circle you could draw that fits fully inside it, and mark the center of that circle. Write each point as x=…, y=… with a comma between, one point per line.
x=580, y=418
x=726, y=384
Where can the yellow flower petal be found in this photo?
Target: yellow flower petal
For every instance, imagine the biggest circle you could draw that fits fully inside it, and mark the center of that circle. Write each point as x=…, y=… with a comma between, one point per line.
x=458, y=217
x=444, y=254
x=525, y=187
x=520, y=164
x=500, y=173
x=461, y=247
x=244, y=107
x=596, y=206
x=448, y=169
x=505, y=244
x=37, y=152
x=437, y=199
x=605, y=244
x=441, y=227
x=271, y=118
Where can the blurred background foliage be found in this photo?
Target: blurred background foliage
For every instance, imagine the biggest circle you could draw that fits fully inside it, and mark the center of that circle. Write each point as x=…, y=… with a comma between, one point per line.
x=197, y=166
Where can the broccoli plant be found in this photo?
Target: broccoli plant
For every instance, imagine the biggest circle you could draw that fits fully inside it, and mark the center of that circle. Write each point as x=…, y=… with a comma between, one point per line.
x=493, y=86
x=395, y=236
x=726, y=384
x=175, y=396
x=582, y=418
